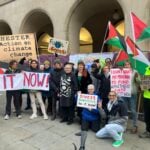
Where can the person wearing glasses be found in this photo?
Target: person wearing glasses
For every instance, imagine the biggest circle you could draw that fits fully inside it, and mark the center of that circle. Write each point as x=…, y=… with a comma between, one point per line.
x=116, y=119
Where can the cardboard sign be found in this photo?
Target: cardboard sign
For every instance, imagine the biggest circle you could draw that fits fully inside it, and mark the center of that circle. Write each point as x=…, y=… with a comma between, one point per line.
x=121, y=81
x=17, y=46
x=26, y=80
x=145, y=82
x=87, y=101
x=58, y=46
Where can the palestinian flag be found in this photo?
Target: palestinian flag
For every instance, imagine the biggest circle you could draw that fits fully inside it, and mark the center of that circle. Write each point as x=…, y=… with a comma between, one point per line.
x=134, y=55
x=121, y=57
x=140, y=30
x=113, y=37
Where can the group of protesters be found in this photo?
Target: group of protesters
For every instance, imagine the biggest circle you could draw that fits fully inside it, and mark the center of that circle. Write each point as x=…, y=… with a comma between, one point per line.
x=110, y=117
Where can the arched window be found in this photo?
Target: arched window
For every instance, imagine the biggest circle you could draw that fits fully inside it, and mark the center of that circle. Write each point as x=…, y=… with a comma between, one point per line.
x=43, y=43
x=86, y=41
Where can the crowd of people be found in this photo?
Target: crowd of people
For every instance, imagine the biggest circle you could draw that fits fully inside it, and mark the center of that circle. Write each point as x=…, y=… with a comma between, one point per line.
x=110, y=117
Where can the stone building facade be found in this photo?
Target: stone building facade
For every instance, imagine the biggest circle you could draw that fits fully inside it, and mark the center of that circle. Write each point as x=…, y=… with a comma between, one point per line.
x=64, y=18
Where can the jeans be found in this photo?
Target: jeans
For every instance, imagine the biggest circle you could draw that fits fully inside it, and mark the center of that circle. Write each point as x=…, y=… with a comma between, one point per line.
x=131, y=103
x=111, y=131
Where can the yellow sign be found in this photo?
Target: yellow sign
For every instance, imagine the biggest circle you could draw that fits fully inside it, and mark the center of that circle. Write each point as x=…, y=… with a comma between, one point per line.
x=17, y=46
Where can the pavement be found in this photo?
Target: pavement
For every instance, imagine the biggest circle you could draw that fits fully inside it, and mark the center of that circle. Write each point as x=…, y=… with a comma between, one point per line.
x=39, y=134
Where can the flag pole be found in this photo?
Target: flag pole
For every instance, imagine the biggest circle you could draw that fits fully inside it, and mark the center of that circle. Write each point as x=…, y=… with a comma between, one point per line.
x=139, y=98
x=37, y=49
x=114, y=63
x=104, y=38
x=133, y=31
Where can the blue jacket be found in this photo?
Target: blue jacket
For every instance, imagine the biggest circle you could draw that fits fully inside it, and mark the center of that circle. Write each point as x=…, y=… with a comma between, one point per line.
x=91, y=115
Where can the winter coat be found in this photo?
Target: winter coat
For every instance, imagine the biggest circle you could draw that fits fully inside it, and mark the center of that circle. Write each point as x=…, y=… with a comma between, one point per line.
x=117, y=115
x=55, y=80
x=68, y=88
x=92, y=115
x=85, y=81
x=104, y=85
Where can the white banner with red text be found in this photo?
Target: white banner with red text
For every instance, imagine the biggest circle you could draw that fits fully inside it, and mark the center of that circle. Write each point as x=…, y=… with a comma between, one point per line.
x=25, y=80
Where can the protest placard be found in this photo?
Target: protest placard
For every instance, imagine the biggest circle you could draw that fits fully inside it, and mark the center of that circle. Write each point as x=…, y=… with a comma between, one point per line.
x=58, y=46
x=87, y=101
x=17, y=46
x=145, y=83
x=26, y=80
x=121, y=81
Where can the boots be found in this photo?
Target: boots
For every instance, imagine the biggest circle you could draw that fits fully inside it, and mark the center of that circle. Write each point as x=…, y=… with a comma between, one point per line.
x=82, y=148
x=53, y=117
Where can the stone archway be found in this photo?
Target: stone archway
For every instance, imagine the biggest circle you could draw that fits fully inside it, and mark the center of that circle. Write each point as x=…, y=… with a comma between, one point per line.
x=37, y=21
x=4, y=28
x=94, y=17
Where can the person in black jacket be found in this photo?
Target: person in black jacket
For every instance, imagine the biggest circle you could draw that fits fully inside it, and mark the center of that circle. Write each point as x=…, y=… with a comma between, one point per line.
x=15, y=94
x=55, y=85
x=116, y=116
x=104, y=89
x=83, y=80
x=68, y=89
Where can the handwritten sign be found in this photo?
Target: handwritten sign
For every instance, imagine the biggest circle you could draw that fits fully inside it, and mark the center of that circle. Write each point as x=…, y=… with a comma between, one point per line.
x=58, y=46
x=121, y=81
x=145, y=82
x=17, y=46
x=26, y=80
x=87, y=101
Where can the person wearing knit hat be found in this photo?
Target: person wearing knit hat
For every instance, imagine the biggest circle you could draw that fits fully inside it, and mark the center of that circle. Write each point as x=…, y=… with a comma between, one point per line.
x=57, y=61
x=46, y=62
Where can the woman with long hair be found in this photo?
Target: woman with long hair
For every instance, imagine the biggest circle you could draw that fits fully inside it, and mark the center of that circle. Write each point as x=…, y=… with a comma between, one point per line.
x=83, y=80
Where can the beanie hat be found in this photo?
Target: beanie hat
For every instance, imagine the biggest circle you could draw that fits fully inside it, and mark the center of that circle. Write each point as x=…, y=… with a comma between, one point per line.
x=57, y=61
x=46, y=62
